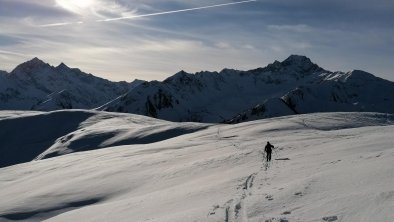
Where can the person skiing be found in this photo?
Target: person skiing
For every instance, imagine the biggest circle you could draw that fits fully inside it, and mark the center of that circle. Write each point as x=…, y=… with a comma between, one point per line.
x=268, y=150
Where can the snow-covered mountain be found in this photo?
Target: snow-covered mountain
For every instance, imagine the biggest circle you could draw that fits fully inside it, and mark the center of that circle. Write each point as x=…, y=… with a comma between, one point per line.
x=326, y=167
x=293, y=86
x=36, y=85
x=345, y=92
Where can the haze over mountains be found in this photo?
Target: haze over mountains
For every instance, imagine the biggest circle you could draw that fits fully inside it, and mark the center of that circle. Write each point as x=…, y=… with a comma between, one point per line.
x=293, y=86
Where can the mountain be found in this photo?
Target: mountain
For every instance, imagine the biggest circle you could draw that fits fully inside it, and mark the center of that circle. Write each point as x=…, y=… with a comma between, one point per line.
x=36, y=85
x=326, y=167
x=355, y=91
x=293, y=86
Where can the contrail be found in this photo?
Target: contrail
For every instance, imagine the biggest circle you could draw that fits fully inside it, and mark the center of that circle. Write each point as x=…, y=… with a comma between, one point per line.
x=151, y=14
x=175, y=11
x=61, y=24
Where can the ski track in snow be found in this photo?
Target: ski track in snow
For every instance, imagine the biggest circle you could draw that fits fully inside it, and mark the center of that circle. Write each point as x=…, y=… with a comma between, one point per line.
x=326, y=167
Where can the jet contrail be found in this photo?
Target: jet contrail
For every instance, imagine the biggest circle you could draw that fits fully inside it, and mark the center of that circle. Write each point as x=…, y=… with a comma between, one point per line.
x=175, y=11
x=61, y=24
x=151, y=14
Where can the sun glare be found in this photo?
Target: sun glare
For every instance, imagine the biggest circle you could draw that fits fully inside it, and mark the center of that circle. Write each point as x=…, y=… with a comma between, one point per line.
x=76, y=6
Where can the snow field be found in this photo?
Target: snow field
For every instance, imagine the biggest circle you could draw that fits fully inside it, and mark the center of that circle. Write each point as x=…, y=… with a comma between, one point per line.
x=333, y=167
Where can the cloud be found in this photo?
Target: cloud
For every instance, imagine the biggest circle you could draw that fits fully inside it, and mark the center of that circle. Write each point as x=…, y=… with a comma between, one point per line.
x=28, y=8
x=179, y=10
x=5, y=52
x=96, y=8
x=291, y=28
x=336, y=34
x=114, y=12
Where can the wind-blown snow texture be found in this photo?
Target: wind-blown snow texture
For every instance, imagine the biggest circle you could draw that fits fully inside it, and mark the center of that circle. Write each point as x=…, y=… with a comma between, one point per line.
x=35, y=85
x=330, y=167
x=40, y=135
x=293, y=86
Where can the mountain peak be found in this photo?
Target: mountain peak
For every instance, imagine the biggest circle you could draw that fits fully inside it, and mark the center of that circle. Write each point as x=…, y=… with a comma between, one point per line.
x=178, y=77
x=31, y=64
x=182, y=72
x=35, y=61
x=294, y=63
x=302, y=63
x=62, y=66
x=297, y=59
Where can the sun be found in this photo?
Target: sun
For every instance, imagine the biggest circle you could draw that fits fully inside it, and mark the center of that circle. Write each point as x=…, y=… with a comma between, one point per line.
x=76, y=6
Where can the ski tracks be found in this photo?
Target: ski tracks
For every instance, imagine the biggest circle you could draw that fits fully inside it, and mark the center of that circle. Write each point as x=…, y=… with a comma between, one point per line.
x=235, y=209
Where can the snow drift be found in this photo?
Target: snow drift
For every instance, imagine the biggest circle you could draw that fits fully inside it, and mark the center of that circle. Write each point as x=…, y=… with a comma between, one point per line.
x=39, y=135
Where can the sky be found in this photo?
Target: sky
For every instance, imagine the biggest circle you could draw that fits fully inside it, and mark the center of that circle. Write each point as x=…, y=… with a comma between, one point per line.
x=154, y=39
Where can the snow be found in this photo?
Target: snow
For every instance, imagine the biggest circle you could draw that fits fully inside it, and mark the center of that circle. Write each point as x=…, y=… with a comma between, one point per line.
x=36, y=85
x=270, y=108
x=61, y=132
x=330, y=167
x=293, y=86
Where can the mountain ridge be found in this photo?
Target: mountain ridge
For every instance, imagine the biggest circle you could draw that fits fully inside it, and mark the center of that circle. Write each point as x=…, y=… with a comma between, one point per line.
x=233, y=96
x=294, y=86
x=36, y=85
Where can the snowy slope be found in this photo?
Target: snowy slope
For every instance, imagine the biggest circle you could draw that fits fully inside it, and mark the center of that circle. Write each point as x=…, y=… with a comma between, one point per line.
x=295, y=85
x=36, y=85
x=334, y=92
x=49, y=134
x=270, y=108
x=331, y=167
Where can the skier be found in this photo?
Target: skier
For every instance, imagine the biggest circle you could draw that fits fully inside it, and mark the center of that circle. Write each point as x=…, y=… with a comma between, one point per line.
x=268, y=150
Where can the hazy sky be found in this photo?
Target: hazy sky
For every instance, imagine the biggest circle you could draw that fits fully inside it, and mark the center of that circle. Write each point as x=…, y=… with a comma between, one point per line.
x=336, y=34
